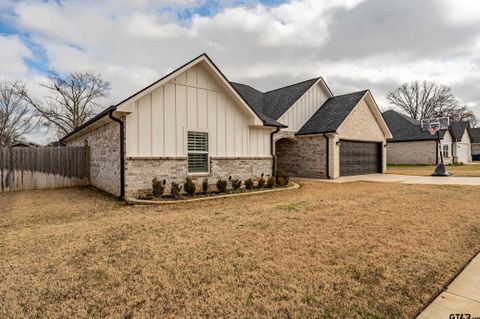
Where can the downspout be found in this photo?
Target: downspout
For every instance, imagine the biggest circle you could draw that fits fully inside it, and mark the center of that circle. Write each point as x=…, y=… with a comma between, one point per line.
x=327, y=160
x=274, y=159
x=122, y=153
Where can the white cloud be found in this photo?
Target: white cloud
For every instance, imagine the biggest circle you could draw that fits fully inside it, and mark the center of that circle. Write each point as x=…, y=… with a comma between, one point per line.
x=461, y=11
x=13, y=55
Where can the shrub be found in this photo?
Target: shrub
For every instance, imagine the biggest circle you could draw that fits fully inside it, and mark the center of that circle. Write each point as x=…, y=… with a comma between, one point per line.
x=158, y=187
x=205, y=186
x=175, y=190
x=282, y=174
x=281, y=181
x=236, y=183
x=189, y=186
x=261, y=182
x=221, y=185
x=249, y=184
x=271, y=182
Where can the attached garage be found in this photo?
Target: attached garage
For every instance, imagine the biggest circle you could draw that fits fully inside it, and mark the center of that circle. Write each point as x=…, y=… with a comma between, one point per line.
x=350, y=134
x=357, y=157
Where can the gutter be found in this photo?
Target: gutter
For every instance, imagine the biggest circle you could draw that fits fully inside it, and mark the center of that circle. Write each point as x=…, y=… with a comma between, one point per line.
x=272, y=145
x=122, y=152
x=327, y=160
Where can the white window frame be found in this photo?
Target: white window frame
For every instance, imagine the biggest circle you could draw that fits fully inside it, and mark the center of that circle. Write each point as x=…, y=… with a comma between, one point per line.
x=198, y=130
x=446, y=153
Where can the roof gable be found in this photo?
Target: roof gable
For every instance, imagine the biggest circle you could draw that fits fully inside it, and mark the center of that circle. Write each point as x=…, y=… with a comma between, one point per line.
x=457, y=129
x=332, y=114
x=210, y=66
x=276, y=102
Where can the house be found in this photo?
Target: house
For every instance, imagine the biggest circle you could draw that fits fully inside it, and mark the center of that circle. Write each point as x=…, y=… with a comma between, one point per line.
x=476, y=143
x=326, y=136
x=461, y=146
x=194, y=122
x=410, y=145
x=24, y=144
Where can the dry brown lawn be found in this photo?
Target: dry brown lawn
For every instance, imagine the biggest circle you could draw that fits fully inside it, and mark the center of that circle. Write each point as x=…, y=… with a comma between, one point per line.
x=355, y=250
x=471, y=170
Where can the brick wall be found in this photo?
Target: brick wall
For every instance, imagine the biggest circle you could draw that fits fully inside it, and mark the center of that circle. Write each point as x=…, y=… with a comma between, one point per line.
x=420, y=152
x=303, y=156
x=139, y=172
x=104, y=143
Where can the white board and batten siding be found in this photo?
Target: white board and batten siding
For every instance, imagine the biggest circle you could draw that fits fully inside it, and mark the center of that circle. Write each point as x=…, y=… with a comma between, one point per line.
x=304, y=108
x=193, y=101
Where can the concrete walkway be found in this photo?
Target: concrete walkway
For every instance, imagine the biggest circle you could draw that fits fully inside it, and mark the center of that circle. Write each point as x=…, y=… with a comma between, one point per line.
x=462, y=296
x=405, y=179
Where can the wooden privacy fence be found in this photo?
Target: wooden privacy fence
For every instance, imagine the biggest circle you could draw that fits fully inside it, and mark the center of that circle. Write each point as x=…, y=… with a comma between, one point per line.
x=23, y=168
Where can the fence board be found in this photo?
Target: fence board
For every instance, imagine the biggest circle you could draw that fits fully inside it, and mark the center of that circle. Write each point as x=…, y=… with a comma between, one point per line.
x=24, y=168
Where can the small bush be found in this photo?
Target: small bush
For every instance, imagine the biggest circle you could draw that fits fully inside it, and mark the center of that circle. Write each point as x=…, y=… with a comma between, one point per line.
x=283, y=174
x=236, y=183
x=271, y=182
x=249, y=184
x=261, y=182
x=158, y=187
x=205, y=186
x=175, y=190
x=189, y=186
x=281, y=181
x=222, y=185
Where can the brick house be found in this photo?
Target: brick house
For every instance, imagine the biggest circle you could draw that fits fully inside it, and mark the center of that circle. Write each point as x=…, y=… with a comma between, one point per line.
x=410, y=145
x=194, y=122
x=476, y=143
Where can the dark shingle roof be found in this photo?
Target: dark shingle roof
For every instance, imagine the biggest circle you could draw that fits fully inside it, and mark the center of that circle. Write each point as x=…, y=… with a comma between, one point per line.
x=405, y=128
x=476, y=134
x=275, y=103
x=332, y=114
x=457, y=129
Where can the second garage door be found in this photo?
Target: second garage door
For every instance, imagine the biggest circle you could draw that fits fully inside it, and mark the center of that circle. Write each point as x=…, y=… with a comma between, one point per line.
x=357, y=158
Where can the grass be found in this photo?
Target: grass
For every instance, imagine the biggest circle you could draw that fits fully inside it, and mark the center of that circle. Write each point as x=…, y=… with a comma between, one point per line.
x=355, y=250
x=471, y=170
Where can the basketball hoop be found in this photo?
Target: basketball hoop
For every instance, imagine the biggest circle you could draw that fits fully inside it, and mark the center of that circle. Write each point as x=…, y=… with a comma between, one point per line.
x=434, y=128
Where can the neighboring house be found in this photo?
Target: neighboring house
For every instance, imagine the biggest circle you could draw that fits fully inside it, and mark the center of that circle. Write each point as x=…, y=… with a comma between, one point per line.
x=24, y=144
x=461, y=146
x=410, y=145
x=194, y=122
x=476, y=143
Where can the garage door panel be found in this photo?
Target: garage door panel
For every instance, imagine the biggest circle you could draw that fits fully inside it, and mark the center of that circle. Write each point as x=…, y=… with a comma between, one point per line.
x=358, y=158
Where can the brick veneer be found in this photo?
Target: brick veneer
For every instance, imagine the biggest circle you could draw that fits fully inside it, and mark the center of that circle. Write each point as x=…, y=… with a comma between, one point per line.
x=420, y=152
x=104, y=156
x=303, y=156
x=139, y=172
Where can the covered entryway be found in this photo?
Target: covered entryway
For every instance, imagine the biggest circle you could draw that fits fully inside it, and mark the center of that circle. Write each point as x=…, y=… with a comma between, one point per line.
x=357, y=158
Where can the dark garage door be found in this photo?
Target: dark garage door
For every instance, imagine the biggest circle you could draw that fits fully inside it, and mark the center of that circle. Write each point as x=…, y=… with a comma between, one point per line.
x=358, y=158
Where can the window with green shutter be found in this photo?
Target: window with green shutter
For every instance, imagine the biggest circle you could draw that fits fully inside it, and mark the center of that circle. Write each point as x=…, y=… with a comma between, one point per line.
x=197, y=152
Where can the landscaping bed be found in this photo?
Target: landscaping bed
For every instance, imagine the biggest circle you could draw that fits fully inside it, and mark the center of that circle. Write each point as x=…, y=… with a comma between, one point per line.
x=191, y=190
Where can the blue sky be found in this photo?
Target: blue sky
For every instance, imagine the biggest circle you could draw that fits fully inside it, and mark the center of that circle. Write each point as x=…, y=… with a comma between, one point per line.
x=353, y=44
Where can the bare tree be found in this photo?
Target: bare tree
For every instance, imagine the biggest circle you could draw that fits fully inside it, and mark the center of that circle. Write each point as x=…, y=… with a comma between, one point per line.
x=72, y=100
x=16, y=119
x=422, y=99
x=458, y=113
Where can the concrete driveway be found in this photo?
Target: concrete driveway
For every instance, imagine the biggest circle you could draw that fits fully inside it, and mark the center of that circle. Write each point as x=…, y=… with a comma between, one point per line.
x=407, y=179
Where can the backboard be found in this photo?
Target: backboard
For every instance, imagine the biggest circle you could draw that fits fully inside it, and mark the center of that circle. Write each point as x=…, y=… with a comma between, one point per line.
x=435, y=124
